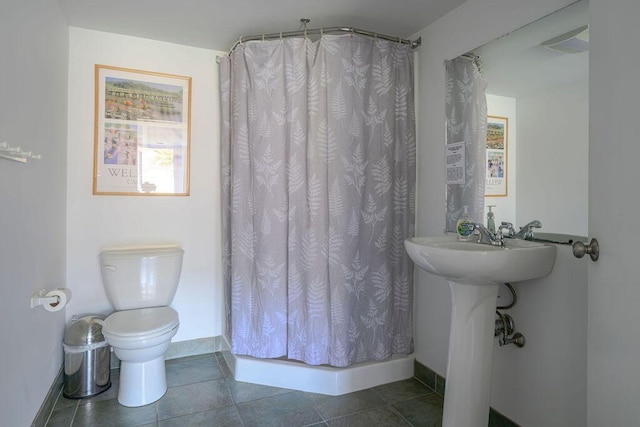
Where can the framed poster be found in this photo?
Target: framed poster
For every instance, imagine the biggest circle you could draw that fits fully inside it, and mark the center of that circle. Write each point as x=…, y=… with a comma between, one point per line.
x=496, y=156
x=142, y=133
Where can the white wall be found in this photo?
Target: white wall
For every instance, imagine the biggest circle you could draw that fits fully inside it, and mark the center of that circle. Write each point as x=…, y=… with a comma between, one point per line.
x=505, y=207
x=33, y=115
x=456, y=33
x=98, y=221
x=614, y=287
x=553, y=164
x=544, y=382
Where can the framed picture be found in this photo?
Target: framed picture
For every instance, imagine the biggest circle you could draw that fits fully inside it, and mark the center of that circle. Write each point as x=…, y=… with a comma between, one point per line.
x=496, y=157
x=142, y=133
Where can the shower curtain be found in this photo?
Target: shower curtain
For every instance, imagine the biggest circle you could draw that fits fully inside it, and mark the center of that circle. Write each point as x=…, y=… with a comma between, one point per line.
x=466, y=109
x=318, y=196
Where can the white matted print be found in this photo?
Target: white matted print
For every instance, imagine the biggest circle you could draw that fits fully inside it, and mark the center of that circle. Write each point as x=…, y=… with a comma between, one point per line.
x=142, y=133
x=496, y=157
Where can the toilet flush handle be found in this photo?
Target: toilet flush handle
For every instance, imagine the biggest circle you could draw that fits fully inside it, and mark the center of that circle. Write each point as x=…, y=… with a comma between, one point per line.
x=110, y=267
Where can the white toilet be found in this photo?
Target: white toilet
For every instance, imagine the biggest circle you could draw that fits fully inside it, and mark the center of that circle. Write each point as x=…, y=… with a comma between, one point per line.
x=141, y=283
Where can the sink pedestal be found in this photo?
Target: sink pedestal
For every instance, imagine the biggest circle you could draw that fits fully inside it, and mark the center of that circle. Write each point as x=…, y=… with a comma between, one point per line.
x=471, y=344
x=474, y=272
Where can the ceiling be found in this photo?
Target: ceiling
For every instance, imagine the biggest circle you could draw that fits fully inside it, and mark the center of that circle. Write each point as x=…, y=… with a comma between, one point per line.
x=216, y=24
x=514, y=65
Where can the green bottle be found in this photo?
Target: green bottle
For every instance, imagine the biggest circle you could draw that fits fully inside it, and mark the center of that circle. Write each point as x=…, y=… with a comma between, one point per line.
x=491, y=224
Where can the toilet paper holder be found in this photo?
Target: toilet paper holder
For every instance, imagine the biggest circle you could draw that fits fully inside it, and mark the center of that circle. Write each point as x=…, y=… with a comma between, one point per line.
x=50, y=300
x=41, y=298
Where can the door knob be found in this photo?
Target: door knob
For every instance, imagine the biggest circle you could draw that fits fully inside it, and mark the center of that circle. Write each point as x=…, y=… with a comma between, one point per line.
x=592, y=249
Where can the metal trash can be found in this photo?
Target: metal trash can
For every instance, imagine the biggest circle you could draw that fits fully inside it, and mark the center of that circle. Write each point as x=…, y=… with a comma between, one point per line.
x=87, y=358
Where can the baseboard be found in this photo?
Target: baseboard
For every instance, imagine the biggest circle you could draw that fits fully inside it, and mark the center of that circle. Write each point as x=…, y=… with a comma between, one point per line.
x=49, y=401
x=429, y=377
x=194, y=347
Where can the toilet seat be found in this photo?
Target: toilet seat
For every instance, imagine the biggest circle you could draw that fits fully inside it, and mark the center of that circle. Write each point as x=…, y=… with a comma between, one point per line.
x=141, y=324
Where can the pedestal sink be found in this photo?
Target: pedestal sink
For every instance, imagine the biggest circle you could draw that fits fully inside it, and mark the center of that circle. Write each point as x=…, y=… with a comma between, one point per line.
x=474, y=272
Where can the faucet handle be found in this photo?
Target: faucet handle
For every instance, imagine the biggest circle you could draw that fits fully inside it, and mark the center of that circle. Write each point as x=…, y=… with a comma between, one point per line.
x=509, y=226
x=526, y=232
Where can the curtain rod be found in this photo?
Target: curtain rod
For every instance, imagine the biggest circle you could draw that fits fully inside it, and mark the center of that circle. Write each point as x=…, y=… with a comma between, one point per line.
x=351, y=30
x=471, y=57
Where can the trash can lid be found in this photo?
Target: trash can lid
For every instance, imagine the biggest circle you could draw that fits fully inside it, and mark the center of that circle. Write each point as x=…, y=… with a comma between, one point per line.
x=84, y=331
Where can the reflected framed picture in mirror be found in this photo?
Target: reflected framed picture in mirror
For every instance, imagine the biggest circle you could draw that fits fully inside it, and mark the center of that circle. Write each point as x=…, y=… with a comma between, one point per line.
x=496, y=156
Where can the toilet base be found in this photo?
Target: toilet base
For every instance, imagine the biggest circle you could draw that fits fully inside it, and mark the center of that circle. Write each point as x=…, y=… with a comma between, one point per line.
x=142, y=383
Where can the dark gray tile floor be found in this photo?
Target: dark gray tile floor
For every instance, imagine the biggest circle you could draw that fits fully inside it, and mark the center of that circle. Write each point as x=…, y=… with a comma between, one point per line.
x=202, y=392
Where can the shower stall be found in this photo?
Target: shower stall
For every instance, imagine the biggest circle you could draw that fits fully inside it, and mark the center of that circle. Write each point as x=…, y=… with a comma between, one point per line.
x=318, y=135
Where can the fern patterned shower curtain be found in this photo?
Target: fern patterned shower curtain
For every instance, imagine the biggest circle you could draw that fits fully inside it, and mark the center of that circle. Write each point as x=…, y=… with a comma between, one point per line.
x=466, y=109
x=319, y=191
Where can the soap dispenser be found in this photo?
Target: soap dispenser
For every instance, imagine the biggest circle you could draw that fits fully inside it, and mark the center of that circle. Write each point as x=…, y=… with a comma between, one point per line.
x=491, y=224
x=464, y=226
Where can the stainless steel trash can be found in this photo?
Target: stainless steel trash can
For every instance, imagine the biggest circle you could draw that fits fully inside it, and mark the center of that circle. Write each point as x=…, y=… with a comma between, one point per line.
x=87, y=358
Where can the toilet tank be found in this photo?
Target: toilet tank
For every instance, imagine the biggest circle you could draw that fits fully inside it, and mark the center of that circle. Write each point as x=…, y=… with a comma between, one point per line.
x=140, y=277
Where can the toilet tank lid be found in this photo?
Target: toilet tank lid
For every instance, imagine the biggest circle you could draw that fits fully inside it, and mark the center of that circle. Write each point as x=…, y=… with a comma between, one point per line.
x=137, y=251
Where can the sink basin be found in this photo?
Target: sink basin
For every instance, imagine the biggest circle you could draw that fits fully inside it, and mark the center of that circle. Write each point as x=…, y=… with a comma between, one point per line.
x=474, y=272
x=472, y=263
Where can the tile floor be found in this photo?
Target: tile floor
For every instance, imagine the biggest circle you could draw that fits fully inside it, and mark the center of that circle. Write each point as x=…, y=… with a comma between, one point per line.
x=202, y=392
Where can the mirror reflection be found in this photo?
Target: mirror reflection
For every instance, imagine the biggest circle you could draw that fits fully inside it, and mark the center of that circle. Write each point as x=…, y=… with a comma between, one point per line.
x=537, y=96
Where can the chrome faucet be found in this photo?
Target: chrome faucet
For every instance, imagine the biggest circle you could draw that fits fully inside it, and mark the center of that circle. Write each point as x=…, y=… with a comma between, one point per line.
x=526, y=232
x=486, y=237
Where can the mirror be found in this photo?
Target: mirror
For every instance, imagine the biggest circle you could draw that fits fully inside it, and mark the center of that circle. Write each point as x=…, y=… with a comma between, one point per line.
x=542, y=92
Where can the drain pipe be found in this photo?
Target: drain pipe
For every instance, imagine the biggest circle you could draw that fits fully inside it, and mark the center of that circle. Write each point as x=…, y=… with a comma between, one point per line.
x=505, y=326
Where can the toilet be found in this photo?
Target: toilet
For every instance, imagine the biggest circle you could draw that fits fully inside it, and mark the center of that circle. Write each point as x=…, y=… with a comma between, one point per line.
x=140, y=283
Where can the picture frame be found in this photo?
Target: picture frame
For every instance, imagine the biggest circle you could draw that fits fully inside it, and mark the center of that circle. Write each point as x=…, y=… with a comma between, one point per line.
x=496, y=166
x=142, y=133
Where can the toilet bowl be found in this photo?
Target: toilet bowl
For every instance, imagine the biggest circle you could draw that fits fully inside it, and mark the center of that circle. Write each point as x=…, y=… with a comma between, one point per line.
x=141, y=283
x=139, y=338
